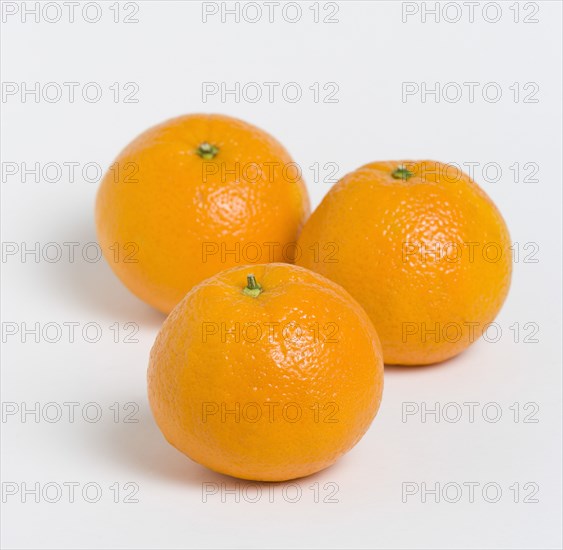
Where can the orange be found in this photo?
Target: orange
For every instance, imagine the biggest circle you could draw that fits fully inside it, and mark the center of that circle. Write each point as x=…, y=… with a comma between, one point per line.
x=193, y=196
x=266, y=372
x=421, y=247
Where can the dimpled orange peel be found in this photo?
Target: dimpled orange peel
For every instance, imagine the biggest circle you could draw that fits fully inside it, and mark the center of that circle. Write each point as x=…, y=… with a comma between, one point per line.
x=421, y=247
x=266, y=372
x=193, y=196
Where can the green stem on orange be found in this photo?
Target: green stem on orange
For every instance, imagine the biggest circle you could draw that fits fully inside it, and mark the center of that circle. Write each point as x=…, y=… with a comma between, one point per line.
x=402, y=173
x=207, y=151
x=252, y=288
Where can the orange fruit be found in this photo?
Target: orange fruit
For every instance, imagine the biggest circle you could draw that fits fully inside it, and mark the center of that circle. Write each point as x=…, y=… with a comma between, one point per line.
x=193, y=196
x=421, y=247
x=267, y=372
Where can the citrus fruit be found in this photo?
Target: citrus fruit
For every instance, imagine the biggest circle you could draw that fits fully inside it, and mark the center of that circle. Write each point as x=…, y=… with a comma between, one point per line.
x=266, y=372
x=193, y=196
x=421, y=247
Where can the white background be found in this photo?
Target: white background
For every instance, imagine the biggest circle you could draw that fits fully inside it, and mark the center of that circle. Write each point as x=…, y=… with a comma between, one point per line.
x=368, y=53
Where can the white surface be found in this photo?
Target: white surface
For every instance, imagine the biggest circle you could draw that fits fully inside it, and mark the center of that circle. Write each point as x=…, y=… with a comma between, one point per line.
x=368, y=53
